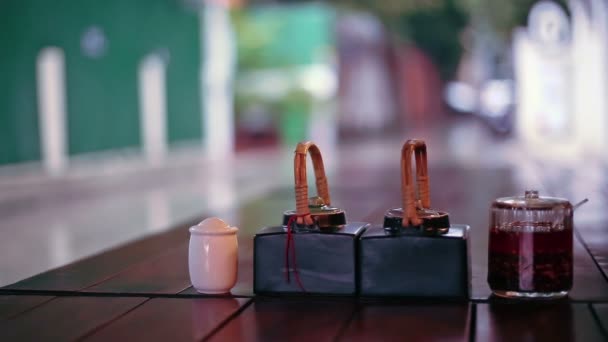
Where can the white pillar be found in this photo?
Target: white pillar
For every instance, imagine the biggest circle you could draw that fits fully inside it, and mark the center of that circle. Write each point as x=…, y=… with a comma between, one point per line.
x=153, y=108
x=600, y=21
x=218, y=60
x=158, y=211
x=525, y=64
x=587, y=79
x=542, y=68
x=50, y=78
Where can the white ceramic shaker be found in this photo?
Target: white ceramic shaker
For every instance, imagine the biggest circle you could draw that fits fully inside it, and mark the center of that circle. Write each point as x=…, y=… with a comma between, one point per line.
x=213, y=256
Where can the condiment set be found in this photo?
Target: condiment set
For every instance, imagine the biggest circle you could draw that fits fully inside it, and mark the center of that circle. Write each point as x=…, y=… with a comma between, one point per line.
x=417, y=252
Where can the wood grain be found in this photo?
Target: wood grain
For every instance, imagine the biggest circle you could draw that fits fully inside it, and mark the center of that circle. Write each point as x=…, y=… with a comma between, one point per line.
x=65, y=318
x=168, y=274
x=287, y=319
x=14, y=305
x=589, y=283
x=165, y=274
x=536, y=321
x=92, y=270
x=601, y=311
x=409, y=322
x=595, y=237
x=170, y=319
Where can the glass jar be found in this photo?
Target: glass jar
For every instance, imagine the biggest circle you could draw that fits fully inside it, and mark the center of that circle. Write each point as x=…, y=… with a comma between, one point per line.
x=530, y=246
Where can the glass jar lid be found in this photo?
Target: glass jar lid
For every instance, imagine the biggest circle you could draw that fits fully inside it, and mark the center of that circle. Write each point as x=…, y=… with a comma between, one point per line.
x=531, y=200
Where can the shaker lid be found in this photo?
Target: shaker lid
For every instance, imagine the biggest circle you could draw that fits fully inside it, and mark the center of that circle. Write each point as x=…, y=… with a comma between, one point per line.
x=433, y=221
x=324, y=216
x=213, y=226
x=530, y=200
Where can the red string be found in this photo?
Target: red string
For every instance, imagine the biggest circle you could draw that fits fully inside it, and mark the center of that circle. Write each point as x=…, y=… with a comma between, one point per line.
x=290, y=245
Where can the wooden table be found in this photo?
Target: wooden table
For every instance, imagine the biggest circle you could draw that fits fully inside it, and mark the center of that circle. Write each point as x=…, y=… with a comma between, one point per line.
x=142, y=290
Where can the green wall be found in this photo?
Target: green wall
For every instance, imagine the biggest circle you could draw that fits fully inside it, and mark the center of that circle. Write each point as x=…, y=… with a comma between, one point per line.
x=283, y=35
x=102, y=95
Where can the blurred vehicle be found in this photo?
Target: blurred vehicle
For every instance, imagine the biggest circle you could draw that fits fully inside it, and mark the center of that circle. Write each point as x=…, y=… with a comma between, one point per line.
x=493, y=102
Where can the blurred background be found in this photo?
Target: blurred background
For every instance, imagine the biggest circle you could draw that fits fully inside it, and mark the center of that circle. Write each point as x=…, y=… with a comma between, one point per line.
x=121, y=118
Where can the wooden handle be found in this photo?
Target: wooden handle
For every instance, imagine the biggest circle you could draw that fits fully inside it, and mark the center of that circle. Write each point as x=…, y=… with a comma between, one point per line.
x=408, y=190
x=302, y=151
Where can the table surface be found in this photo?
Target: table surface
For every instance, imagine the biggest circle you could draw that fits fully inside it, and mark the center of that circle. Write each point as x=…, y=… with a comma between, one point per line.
x=142, y=289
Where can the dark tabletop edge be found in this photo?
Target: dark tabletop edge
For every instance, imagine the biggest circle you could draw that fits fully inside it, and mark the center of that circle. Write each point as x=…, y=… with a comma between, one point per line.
x=110, y=321
x=228, y=319
x=360, y=300
x=58, y=293
x=30, y=308
x=579, y=237
x=343, y=329
x=472, y=324
x=598, y=321
x=169, y=250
